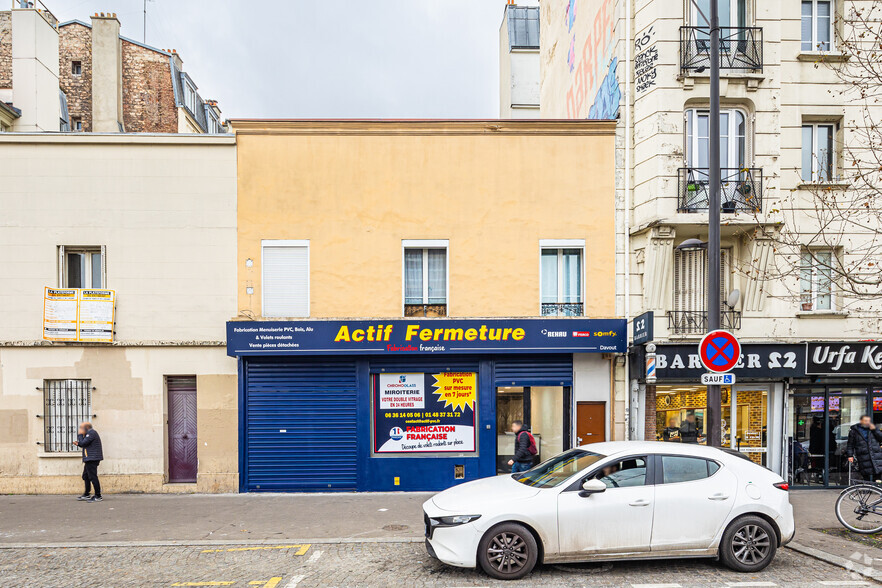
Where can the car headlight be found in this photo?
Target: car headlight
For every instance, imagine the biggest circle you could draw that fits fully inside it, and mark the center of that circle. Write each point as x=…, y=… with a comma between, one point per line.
x=456, y=520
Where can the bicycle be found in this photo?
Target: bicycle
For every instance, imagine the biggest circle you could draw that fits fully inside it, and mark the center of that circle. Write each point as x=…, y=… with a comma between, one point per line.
x=859, y=507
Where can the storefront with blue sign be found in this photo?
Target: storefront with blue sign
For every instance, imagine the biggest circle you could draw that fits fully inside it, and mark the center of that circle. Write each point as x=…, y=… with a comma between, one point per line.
x=337, y=405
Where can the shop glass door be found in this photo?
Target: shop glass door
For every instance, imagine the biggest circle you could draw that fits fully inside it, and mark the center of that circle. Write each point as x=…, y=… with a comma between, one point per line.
x=542, y=409
x=819, y=422
x=750, y=422
x=845, y=409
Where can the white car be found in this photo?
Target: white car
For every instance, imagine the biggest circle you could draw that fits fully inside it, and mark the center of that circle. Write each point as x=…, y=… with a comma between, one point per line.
x=615, y=500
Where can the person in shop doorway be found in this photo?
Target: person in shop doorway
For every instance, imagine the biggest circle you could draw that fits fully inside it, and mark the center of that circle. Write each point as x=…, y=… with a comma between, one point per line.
x=689, y=430
x=863, y=448
x=90, y=442
x=672, y=431
x=525, y=448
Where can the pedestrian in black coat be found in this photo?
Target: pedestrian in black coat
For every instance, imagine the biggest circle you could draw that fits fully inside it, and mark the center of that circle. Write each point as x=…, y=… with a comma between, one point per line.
x=90, y=442
x=864, y=448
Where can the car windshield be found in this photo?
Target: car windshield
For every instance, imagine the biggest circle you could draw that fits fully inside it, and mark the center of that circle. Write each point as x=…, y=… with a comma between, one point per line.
x=558, y=469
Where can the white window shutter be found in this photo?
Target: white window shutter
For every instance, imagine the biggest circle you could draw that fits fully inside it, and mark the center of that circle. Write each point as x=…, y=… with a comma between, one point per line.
x=285, y=281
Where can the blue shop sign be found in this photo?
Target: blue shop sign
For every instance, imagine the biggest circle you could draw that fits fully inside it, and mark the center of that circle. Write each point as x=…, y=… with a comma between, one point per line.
x=421, y=336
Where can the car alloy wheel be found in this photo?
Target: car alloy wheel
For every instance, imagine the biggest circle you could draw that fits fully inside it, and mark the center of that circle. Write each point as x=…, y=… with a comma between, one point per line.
x=507, y=552
x=751, y=544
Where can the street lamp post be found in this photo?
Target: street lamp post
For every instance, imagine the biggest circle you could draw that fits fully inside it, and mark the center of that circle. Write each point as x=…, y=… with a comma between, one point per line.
x=714, y=408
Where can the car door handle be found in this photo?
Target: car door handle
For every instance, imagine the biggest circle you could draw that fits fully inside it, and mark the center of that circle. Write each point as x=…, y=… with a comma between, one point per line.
x=718, y=496
x=640, y=502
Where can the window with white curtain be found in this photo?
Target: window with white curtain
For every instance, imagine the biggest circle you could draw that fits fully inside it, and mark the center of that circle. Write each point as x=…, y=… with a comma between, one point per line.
x=561, y=281
x=818, y=156
x=817, y=25
x=285, y=278
x=816, y=279
x=425, y=281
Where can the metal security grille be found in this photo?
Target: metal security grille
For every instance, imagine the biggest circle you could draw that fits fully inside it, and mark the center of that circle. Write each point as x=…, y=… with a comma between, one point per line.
x=67, y=404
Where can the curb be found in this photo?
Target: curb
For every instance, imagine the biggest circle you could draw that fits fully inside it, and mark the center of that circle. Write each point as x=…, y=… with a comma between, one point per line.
x=836, y=560
x=200, y=543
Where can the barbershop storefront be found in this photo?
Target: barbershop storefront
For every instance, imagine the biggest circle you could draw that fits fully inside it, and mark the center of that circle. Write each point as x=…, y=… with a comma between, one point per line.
x=789, y=410
x=329, y=405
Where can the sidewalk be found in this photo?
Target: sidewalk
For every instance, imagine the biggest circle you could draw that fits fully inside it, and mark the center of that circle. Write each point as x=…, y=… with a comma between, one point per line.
x=317, y=518
x=813, y=510
x=192, y=518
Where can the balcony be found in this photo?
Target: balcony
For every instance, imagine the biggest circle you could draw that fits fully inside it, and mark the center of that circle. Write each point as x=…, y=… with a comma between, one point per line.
x=741, y=48
x=740, y=189
x=561, y=309
x=694, y=322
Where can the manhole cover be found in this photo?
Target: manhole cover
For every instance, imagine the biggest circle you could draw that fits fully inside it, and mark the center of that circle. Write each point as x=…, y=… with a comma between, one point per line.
x=584, y=568
x=396, y=528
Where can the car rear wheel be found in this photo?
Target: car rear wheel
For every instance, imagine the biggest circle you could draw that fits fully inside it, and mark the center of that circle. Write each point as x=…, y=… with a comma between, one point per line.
x=748, y=545
x=508, y=551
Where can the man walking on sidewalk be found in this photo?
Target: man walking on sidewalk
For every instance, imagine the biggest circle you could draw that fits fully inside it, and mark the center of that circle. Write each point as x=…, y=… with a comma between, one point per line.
x=864, y=447
x=90, y=442
x=525, y=448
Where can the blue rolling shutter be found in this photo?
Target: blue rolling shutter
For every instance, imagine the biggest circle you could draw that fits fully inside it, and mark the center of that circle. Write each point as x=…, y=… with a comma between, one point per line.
x=300, y=425
x=539, y=370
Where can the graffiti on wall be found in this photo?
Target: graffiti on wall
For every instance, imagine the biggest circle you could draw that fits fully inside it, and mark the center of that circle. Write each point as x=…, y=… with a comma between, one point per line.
x=593, y=67
x=645, y=61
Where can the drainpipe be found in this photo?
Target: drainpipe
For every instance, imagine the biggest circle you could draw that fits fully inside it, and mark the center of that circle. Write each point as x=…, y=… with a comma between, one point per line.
x=627, y=205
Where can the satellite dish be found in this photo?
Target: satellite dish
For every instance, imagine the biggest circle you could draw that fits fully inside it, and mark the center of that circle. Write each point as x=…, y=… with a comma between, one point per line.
x=734, y=297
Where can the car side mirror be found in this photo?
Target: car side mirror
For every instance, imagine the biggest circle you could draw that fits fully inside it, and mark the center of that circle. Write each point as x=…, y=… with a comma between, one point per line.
x=592, y=486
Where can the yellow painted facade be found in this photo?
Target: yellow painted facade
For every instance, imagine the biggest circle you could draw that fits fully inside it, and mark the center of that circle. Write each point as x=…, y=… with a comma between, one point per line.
x=494, y=189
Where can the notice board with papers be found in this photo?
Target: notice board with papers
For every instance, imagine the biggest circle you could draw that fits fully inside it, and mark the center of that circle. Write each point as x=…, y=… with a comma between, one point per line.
x=78, y=314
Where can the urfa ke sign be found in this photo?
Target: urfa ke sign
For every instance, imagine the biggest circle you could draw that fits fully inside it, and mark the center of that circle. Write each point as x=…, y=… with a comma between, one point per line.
x=843, y=358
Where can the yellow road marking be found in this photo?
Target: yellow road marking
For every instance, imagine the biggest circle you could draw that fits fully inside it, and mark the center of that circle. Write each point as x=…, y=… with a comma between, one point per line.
x=301, y=549
x=271, y=583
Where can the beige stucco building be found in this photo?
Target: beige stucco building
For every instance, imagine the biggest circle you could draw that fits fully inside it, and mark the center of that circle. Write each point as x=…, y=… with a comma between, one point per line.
x=152, y=218
x=789, y=135
x=437, y=227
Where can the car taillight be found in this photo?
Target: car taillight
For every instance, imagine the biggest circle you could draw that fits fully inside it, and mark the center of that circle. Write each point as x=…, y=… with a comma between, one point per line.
x=782, y=486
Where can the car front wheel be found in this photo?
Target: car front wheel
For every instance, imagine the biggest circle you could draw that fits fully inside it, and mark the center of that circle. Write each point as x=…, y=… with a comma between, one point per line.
x=748, y=545
x=508, y=551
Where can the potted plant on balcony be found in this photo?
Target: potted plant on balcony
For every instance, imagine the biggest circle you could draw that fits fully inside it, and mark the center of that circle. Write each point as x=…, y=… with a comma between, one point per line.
x=806, y=306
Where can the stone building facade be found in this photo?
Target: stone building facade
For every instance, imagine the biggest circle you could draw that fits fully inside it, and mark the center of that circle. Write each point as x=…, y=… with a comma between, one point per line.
x=107, y=83
x=790, y=132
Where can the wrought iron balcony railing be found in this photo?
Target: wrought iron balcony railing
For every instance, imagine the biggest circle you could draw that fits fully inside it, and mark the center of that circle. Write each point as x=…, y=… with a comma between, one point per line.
x=427, y=310
x=561, y=309
x=694, y=322
x=740, y=48
x=740, y=190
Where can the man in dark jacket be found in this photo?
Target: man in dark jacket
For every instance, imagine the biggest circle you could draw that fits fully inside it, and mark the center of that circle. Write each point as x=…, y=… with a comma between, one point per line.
x=523, y=459
x=689, y=430
x=90, y=442
x=863, y=447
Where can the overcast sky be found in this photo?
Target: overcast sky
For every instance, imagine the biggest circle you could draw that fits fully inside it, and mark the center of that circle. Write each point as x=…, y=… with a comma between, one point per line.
x=325, y=58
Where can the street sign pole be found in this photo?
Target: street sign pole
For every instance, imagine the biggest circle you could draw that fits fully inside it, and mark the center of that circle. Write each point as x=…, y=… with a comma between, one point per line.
x=714, y=404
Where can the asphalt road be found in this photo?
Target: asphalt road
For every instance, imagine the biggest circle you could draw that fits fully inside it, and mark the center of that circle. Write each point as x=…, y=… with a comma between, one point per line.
x=365, y=564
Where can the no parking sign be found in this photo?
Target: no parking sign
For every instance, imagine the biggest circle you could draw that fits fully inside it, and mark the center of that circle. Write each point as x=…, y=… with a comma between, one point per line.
x=719, y=351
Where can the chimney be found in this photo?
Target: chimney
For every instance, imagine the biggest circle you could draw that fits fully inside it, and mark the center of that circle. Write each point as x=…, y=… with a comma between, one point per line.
x=107, y=106
x=35, y=87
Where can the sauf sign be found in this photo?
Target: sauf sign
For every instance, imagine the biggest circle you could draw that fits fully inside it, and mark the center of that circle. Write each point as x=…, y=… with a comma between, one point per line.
x=844, y=358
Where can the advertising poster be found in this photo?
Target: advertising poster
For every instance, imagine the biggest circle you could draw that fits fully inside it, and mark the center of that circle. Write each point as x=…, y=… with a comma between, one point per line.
x=95, y=315
x=60, y=314
x=425, y=413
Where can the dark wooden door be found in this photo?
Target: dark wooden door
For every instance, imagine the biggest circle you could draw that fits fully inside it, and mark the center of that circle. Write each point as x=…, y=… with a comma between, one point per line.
x=182, y=445
x=590, y=422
